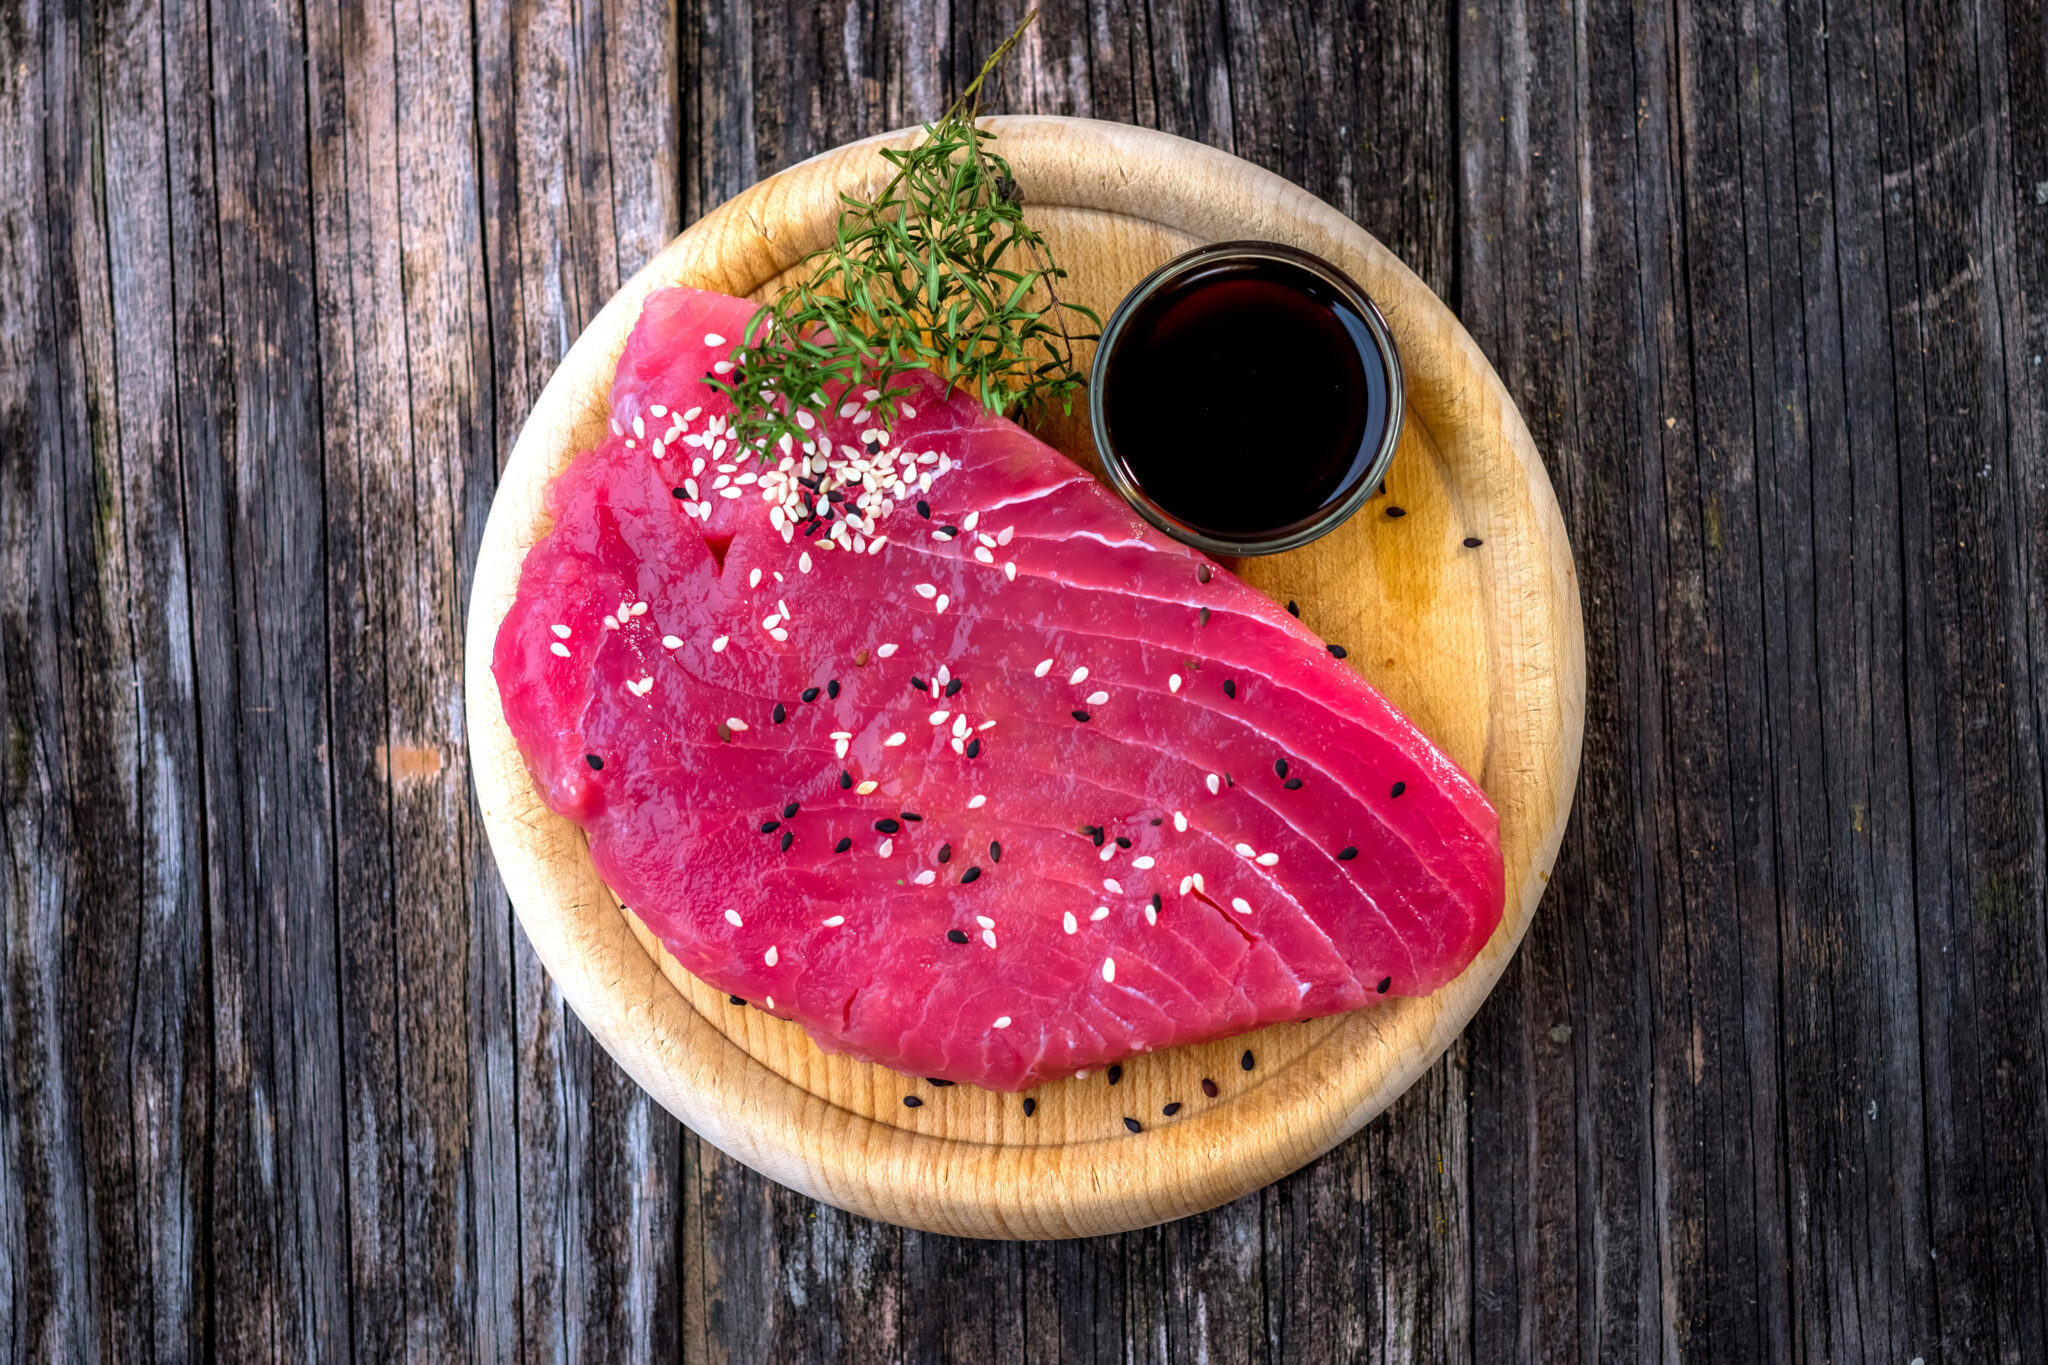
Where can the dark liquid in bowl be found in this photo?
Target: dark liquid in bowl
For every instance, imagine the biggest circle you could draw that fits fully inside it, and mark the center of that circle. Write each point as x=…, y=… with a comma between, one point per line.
x=1245, y=398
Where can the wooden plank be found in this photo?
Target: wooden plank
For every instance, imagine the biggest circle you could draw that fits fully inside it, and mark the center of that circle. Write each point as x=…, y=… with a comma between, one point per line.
x=577, y=121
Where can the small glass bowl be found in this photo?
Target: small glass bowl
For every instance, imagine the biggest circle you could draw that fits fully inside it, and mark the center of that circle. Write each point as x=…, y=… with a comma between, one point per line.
x=1334, y=513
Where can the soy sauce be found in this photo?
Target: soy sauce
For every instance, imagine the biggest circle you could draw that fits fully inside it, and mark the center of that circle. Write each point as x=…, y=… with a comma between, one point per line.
x=1247, y=397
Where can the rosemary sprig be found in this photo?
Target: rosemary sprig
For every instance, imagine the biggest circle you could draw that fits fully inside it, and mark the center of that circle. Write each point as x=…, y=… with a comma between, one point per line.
x=937, y=272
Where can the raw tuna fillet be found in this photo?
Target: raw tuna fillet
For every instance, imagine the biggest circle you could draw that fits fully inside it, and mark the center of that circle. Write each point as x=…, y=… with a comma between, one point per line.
x=977, y=776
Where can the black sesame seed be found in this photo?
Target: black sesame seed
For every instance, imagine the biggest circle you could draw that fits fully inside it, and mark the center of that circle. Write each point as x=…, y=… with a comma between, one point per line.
x=1347, y=853
x=789, y=811
x=842, y=846
x=1095, y=833
x=1230, y=688
x=1473, y=542
x=1157, y=821
x=953, y=687
x=974, y=748
x=1134, y=1126
x=887, y=826
x=945, y=853
x=1396, y=512
x=594, y=761
x=779, y=713
x=1229, y=781
x=788, y=838
x=950, y=530
x=677, y=493
x=924, y=509
x=810, y=694
x=1202, y=573
x=957, y=935
x=934, y=1080
x=995, y=851
x=972, y=874
x=872, y=447
x=1081, y=716
x=1030, y=1106
x=1208, y=1087
x=770, y=826
x=1157, y=904
x=1294, y=610
x=911, y=816
x=735, y=1000
x=845, y=779
x=1385, y=982
x=832, y=689
x=1279, y=767
x=1205, y=616
x=812, y=529
x=1116, y=1073
x=1292, y=784
x=911, y=1101
x=1247, y=1061
x=1171, y=1109
x=1122, y=842
x=919, y=683
x=1337, y=651
x=1399, y=787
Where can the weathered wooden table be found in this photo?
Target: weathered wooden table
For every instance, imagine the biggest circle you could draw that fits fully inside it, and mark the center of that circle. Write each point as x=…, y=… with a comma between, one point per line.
x=278, y=1077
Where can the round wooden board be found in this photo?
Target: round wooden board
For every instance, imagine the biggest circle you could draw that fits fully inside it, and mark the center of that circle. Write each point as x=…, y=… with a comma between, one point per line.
x=1481, y=647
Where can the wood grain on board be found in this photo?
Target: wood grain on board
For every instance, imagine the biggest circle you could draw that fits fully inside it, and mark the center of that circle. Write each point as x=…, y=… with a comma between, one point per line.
x=1766, y=1077
x=1481, y=648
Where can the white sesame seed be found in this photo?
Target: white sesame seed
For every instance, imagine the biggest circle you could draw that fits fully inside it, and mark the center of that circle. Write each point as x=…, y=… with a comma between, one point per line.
x=1003, y=538
x=841, y=734
x=1078, y=676
x=1173, y=683
x=771, y=1002
x=1108, y=852
x=909, y=411
x=987, y=540
x=639, y=428
x=803, y=561
x=866, y=788
x=939, y=717
x=1097, y=698
x=771, y=620
x=1151, y=915
x=1044, y=667
x=770, y=956
x=735, y=724
x=941, y=603
x=1112, y=886
x=960, y=747
x=671, y=642
x=894, y=740
x=1241, y=905
x=1180, y=823
x=1267, y=859
x=779, y=636
x=1003, y=1021
x=713, y=339
x=561, y=632
x=986, y=725
x=926, y=591
x=849, y=408
x=834, y=921
x=1198, y=883
x=718, y=645
x=984, y=556
x=611, y=622
x=1010, y=571
x=1098, y=914
x=1186, y=885
x=839, y=748
x=1109, y=969
x=732, y=917
x=1215, y=784
x=884, y=651
x=722, y=367
x=976, y=802
x=973, y=520
x=886, y=847
x=558, y=648
x=616, y=429
x=925, y=878
x=1143, y=863
x=1072, y=925
x=960, y=728
x=984, y=921
x=988, y=936
x=1244, y=850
